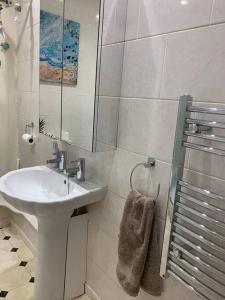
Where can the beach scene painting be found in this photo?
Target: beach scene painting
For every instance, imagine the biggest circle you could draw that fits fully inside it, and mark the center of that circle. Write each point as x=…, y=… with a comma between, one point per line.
x=59, y=49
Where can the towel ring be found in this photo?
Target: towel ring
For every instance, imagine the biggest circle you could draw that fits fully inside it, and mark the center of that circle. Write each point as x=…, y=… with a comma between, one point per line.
x=149, y=164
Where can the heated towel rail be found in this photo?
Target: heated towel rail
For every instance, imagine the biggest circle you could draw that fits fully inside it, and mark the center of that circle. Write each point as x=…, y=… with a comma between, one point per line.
x=194, y=239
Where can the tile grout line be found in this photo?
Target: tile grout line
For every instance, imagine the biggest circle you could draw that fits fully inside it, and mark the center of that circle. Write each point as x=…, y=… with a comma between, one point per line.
x=212, y=10
x=222, y=23
x=163, y=68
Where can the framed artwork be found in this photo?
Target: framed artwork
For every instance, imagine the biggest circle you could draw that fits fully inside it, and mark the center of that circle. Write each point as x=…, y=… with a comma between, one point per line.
x=59, y=49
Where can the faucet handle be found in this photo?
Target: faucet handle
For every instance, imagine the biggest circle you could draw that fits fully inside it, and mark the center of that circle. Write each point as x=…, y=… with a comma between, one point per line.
x=81, y=165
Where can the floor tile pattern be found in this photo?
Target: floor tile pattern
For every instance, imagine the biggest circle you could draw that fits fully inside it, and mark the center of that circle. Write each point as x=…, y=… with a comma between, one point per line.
x=17, y=267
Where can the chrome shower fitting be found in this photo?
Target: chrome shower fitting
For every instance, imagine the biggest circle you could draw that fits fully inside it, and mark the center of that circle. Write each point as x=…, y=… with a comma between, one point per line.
x=3, y=45
x=9, y=3
x=6, y=3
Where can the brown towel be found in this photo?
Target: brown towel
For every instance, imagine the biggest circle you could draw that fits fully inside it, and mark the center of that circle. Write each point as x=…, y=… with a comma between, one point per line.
x=151, y=281
x=134, y=238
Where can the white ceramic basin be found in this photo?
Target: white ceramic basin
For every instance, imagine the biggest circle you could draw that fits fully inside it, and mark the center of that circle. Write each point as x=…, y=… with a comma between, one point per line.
x=41, y=191
x=52, y=197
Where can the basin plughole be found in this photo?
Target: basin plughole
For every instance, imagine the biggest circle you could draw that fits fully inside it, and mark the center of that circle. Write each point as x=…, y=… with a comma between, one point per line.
x=52, y=197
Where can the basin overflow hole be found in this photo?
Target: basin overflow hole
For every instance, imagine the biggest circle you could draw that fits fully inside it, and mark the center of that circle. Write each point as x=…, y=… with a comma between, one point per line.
x=65, y=182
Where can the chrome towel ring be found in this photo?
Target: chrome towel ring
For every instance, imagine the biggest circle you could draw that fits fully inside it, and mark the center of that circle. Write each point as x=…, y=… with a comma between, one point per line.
x=148, y=165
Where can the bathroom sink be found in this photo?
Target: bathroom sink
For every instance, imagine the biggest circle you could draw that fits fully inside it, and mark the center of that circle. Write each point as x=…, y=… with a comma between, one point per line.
x=52, y=198
x=41, y=191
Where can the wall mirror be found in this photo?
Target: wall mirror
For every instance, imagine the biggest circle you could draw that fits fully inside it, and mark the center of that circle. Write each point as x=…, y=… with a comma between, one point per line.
x=70, y=66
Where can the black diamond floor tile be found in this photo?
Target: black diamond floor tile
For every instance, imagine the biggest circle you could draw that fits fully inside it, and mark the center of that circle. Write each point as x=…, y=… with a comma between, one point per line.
x=7, y=237
x=32, y=280
x=23, y=263
x=14, y=249
x=3, y=294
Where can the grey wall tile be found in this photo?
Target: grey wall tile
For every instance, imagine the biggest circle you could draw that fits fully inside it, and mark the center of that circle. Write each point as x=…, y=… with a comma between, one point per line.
x=111, y=70
x=114, y=21
x=132, y=19
x=142, y=68
x=148, y=127
x=107, y=122
x=195, y=65
x=157, y=17
x=218, y=13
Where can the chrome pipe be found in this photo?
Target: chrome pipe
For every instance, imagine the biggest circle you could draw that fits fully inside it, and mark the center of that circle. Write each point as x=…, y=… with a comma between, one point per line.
x=200, y=250
x=200, y=227
x=201, y=215
x=201, y=276
x=212, y=284
x=187, y=285
x=200, y=238
x=210, y=150
x=197, y=284
x=201, y=191
x=212, y=124
x=209, y=110
x=210, y=137
x=201, y=203
x=199, y=261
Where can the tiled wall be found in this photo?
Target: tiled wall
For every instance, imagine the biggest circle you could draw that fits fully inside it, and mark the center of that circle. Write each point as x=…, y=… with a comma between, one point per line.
x=171, y=48
x=8, y=122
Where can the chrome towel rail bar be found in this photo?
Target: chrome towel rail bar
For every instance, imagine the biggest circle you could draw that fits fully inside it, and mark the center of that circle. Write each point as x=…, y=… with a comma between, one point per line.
x=210, y=110
x=206, y=123
x=202, y=240
x=204, y=192
x=206, y=254
x=200, y=227
x=211, y=137
x=194, y=281
x=201, y=215
x=202, y=203
x=194, y=239
x=203, y=148
x=211, y=283
x=187, y=285
x=200, y=263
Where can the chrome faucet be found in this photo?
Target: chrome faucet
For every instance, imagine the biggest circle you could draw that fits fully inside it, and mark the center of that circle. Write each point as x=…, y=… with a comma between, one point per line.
x=78, y=170
x=59, y=162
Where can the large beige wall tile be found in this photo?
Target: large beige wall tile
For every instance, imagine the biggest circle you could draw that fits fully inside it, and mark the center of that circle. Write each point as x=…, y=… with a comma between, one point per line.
x=195, y=65
x=111, y=70
x=132, y=19
x=142, y=68
x=218, y=13
x=162, y=16
x=148, y=127
x=114, y=21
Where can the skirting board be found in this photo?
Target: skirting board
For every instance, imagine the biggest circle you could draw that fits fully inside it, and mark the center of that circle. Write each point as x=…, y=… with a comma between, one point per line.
x=4, y=222
x=26, y=240
x=91, y=293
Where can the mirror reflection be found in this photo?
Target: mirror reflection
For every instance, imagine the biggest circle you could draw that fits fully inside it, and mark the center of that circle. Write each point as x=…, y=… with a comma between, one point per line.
x=78, y=97
x=51, y=66
x=71, y=73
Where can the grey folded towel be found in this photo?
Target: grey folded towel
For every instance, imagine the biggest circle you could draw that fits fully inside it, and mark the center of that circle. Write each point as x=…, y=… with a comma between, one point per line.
x=151, y=281
x=135, y=230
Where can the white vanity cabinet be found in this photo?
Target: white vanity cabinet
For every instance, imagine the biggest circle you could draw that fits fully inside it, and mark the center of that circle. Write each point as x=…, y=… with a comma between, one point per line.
x=76, y=257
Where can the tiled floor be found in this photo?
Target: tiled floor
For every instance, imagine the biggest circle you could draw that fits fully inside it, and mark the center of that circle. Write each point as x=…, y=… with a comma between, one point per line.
x=17, y=267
